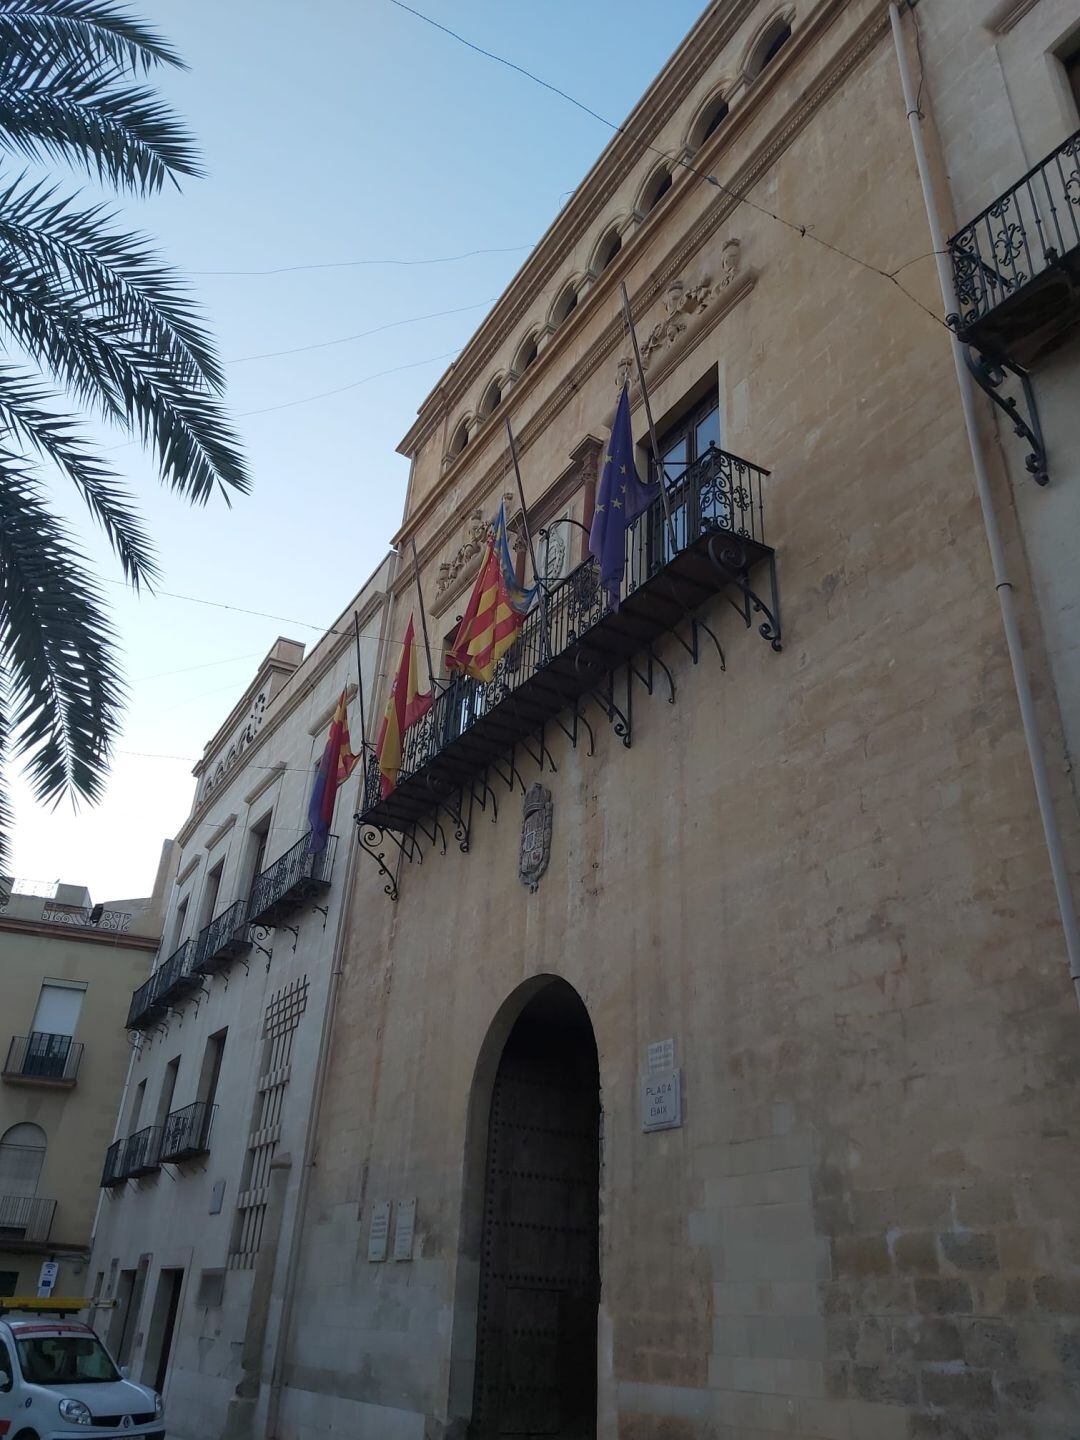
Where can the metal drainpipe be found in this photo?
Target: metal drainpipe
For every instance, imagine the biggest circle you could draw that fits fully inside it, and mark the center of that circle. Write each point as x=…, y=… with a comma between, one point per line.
x=1002, y=583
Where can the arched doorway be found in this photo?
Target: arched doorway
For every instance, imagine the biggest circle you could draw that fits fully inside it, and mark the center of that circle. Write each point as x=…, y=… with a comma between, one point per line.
x=539, y=1246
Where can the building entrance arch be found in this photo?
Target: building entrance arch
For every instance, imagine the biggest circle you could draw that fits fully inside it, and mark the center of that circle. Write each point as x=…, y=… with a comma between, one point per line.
x=537, y=1183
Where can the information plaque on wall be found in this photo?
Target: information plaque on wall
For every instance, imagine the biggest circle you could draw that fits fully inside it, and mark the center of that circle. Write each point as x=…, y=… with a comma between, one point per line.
x=406, y=1229
x=661, y=1101
x=379, y=1234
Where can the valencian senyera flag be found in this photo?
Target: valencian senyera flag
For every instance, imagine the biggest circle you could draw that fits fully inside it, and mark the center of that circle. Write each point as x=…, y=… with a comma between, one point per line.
x=620, y=499
x=405, y=706
x=335, y=767
x=496, y=609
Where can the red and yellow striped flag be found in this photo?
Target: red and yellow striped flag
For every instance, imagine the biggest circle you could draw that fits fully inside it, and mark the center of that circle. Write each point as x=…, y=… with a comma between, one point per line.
x=405, y=706
x=495, y=612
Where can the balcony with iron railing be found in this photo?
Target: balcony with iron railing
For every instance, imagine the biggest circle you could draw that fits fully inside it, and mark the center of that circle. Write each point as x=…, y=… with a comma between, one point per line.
x=186, y=1132
x=142, y=1152
x=225, y=938
x=25, y=1220
x=1017, y=264
x=291, y=882
x=112, y=1172
x=41, y=1059
x=710, y=539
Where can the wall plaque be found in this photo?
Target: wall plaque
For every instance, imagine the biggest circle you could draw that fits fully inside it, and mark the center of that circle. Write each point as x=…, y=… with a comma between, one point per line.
x=379, y=1234
x=406, y=1229
x=661, y=1101
x=535, y=836
x=660, y=1055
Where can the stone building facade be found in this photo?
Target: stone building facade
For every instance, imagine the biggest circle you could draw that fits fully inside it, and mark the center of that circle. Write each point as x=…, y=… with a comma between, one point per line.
x=67, y=969
x=725, y=1085
x=201, y=1180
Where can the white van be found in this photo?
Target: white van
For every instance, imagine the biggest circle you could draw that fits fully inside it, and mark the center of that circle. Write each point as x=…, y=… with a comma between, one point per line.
x=58, y=1382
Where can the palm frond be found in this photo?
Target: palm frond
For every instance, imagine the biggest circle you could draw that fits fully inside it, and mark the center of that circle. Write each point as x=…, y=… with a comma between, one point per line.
x=84, y=30
x=5, y=798
x=64, y=691
x=106, y=318
x=121, y=135
x=24, y=416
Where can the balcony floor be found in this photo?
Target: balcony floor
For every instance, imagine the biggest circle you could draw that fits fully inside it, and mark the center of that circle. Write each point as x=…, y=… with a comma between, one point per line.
x=656, y=607
x=1033, y=318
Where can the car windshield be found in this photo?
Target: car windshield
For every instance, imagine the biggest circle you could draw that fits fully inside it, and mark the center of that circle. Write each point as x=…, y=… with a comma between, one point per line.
x=65, y=1360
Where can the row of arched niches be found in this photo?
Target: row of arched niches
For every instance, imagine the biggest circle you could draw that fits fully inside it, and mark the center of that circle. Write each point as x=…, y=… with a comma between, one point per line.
x=618, y=231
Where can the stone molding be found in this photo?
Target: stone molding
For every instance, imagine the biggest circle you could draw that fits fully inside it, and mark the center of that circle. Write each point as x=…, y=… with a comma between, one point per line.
x=1007, y=15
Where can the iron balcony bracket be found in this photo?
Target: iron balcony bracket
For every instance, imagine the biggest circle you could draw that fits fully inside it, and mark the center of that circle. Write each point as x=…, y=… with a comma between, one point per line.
x=511, y=775
x=602, y=694
x=456, y=814
x=436, y=833
x=263, y=950
x=540, y=753
x=370, y=837
x=990, y=374
x=294, y=931
x=324, y=911
x=652, y=663
x=571, y=731
x=729, y=558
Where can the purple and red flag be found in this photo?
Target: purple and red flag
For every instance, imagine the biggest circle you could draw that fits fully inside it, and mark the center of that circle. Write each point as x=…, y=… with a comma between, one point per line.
x=335, y=767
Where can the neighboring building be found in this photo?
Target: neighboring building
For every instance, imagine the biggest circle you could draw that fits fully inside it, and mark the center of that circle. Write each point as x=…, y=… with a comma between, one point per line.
x=753, y=1110
x=201, y=1180
x=1001, y=86
x=67, y=969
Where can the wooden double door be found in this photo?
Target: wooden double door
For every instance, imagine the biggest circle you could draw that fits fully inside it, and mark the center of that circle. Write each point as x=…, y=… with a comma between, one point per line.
x=539, y=1278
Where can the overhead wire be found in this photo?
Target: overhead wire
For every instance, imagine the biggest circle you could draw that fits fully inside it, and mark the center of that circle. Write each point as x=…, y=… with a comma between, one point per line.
x=741, y=198
x=352, y=264
x=361, y=334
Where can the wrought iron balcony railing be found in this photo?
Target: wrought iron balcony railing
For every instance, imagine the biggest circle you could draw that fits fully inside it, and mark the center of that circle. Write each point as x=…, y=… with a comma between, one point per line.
x=1017, y=264
x=223, y=939
x=186, y=1132
x=112, y=1172
x=290, y=882
x=142, y=1152
x=43, y=1059
x=565, y=650
x=178, y=975
x=25, y=1219
x=144, y=1008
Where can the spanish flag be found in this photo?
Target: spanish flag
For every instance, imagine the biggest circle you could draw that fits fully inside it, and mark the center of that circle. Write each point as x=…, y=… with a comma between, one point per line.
x=335, y=767
x=404, y=707
x=495, y=612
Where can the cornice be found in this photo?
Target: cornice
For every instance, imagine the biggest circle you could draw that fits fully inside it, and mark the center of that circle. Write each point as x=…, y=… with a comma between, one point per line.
x=1007, y=15
x=82, y=937
x=689, y=244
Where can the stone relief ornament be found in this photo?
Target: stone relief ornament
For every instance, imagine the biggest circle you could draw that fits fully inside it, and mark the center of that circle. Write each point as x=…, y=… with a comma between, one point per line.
x=681, y=301
x=476, y=532
x=239, y=744
x=535, y=836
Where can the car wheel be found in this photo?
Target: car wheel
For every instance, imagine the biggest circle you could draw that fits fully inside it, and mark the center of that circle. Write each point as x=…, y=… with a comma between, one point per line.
x=27, y=1435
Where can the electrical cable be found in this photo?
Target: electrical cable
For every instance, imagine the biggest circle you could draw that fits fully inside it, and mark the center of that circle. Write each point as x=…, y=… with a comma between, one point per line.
x=351, y=264
x=361, y=334
x=805, y=232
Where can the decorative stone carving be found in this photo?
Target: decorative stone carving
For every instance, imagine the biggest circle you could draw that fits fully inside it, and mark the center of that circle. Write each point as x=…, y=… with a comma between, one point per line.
x=239, y=744
x=535, y=836
x=476, y=532
x=681, y=302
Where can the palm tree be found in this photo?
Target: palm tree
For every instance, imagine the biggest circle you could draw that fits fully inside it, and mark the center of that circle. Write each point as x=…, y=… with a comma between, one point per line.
x=101, y=326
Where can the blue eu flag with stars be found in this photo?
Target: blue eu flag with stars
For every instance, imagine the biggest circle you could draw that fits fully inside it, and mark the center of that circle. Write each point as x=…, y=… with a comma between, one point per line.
x=620, y=500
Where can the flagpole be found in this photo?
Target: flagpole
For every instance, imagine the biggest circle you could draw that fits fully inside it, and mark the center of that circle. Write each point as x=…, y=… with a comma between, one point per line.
x=660, y=471
x=360, y=683
x=541, y=588
x=423, y=615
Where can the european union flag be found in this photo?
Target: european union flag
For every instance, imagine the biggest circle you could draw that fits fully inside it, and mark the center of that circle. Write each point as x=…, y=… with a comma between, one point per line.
x=621, y=499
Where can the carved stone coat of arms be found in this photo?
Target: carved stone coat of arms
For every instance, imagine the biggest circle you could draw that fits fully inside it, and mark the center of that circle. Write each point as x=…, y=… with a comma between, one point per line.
x=535, y=836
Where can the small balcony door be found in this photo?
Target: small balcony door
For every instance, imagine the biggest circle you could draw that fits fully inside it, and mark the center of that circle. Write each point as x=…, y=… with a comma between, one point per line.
x=680, y=445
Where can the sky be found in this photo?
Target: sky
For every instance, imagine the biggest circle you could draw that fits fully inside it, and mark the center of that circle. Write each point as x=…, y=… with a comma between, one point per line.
x=332, y=133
